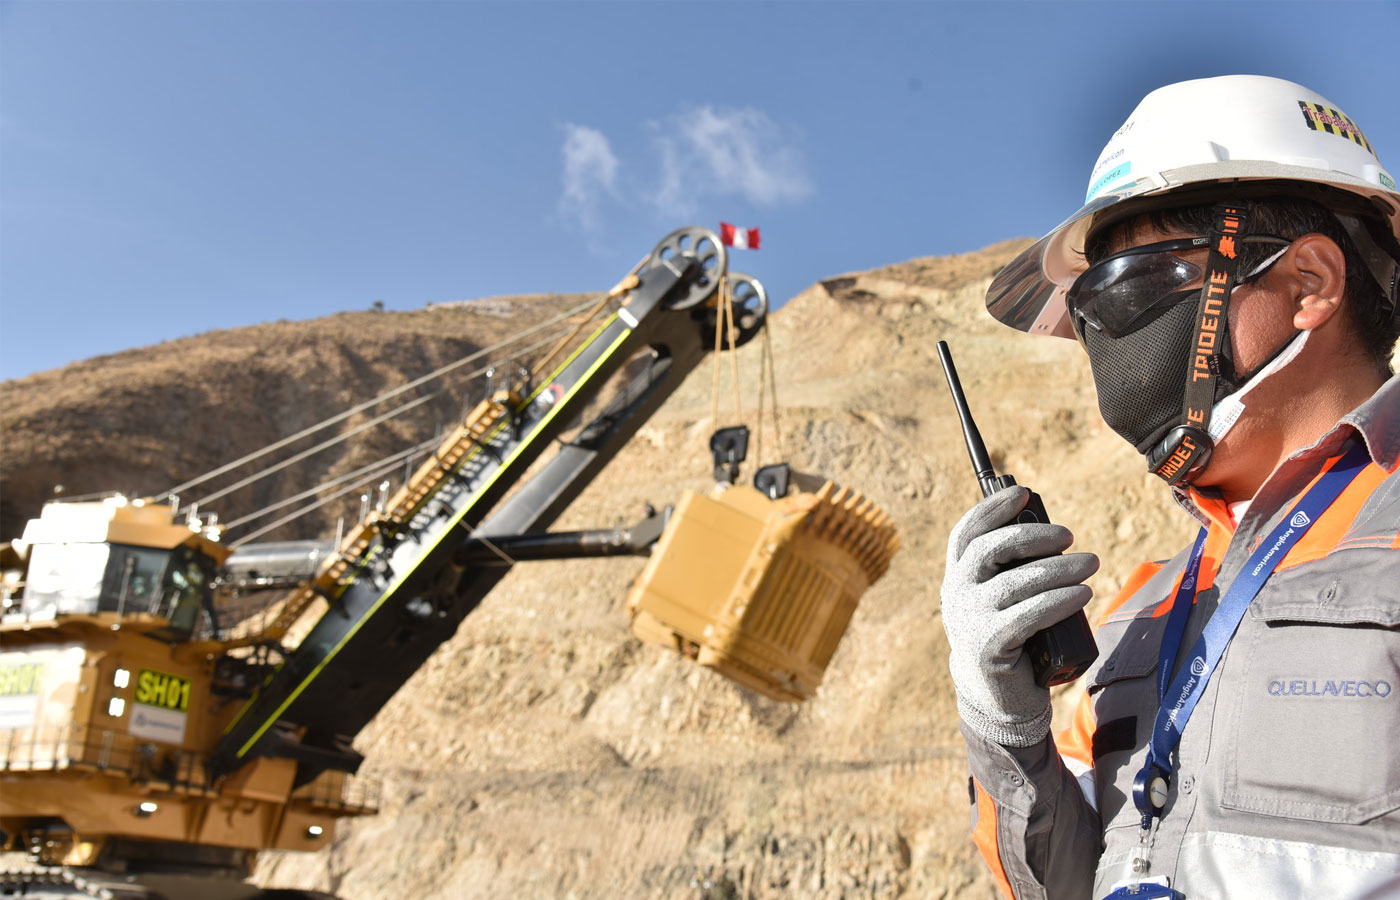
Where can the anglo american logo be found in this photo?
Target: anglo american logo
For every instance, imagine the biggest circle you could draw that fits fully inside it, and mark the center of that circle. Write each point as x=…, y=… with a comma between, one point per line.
x=1185, y=694
x=1198, y=671
x=1278, y=545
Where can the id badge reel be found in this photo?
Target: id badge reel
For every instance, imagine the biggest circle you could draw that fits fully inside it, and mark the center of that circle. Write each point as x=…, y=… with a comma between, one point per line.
x=1150, y=889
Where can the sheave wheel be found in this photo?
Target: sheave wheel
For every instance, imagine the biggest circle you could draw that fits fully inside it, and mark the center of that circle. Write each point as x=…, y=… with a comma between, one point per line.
x=702, y=244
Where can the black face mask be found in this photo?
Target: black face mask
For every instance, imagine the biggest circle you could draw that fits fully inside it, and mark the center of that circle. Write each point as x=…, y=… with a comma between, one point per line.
x=1141, y=377
x=1140, y=341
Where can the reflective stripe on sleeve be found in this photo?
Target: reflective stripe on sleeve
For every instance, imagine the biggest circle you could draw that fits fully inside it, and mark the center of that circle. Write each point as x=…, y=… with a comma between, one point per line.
x=1076, y=746
x=984, y=835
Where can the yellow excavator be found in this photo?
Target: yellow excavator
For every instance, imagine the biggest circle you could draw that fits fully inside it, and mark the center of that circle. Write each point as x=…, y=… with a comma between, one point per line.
x=153, y=738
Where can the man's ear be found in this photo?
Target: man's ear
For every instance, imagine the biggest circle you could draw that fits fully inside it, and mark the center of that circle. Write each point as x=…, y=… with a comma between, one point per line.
x=1318, y=269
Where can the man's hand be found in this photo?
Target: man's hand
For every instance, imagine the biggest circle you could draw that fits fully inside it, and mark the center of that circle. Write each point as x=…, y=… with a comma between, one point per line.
x=993, y=601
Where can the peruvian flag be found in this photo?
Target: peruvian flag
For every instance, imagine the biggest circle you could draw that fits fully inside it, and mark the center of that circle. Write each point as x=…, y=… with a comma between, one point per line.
x=738, y=237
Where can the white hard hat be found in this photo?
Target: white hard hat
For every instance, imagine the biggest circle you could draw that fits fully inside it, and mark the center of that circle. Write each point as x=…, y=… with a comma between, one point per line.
x=1249, y=131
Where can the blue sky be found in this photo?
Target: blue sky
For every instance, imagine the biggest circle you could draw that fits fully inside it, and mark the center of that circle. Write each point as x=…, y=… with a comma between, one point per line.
x=167, y=168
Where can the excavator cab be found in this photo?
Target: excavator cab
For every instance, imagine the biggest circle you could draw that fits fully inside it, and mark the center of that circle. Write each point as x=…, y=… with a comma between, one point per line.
x=117, y=559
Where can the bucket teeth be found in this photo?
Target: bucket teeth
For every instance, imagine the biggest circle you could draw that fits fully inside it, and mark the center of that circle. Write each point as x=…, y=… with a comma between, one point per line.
x=848, y=519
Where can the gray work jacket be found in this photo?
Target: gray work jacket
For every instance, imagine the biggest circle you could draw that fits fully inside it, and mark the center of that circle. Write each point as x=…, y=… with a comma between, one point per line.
x=1287, y=777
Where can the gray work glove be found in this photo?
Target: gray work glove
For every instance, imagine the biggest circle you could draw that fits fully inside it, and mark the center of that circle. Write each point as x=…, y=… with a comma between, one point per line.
x=990, y=609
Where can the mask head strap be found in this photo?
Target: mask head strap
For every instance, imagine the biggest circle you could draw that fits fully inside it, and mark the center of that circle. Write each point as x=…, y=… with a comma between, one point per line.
x=1381, y=259
x=1184, y=452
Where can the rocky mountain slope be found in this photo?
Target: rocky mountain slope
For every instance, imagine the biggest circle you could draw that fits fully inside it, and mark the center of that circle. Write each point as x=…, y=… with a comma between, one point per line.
x=144, y=420
x=543, y=752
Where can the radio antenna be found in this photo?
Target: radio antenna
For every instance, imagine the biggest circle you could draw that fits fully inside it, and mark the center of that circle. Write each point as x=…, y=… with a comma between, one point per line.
x=981, y=462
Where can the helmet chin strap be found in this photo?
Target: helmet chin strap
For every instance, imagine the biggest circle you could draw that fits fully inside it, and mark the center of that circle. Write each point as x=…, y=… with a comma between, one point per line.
x=1184, y=452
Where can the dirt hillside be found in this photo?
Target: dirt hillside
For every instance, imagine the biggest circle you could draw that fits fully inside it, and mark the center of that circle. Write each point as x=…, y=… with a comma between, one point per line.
x=543, y=752
x=145, y=420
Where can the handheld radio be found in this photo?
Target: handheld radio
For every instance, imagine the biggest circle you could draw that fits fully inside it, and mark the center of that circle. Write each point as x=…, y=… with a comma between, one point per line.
x=1062, y=652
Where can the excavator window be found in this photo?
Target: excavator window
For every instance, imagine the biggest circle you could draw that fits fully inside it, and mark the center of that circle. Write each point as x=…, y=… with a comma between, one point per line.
x=64, y=579
x=87, y=578
x=184, y=592
x=133, y=578
x=186, y=582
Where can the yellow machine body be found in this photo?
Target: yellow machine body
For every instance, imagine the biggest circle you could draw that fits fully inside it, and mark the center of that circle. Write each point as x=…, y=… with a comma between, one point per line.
x=143, y=729
x=762, y=590
x=109, y=704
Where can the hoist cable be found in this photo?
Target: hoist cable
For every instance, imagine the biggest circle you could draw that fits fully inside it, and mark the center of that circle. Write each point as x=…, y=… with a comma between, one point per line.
x=295, y=498
x=768, y=372
x=296, y=514
x=733, y=336
x=343, y=436
x=714, y=385
x=726, y=329
x=758, y=450
x=342, y=416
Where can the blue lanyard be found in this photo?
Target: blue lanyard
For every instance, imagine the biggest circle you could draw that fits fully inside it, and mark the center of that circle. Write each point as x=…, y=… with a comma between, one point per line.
x=1176, y=620
x=1176, y=698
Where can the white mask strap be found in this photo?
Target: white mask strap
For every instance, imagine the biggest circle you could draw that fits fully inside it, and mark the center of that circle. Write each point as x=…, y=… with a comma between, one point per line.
x=1226, y=413
x=1259, y=268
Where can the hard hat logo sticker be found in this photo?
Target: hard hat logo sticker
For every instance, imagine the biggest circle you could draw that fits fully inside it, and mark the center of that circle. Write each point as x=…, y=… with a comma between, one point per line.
x=1113, y=175
x=1333, y=121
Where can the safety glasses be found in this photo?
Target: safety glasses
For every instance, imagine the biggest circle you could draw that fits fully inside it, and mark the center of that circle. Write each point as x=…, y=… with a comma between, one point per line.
x=1115, y=294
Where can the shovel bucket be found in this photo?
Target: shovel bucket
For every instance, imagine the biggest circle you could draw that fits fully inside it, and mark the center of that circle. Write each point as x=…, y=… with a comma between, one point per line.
x=762, y=590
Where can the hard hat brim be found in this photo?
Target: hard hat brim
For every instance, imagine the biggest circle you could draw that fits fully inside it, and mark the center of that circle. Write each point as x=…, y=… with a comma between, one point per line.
x=1028, y=294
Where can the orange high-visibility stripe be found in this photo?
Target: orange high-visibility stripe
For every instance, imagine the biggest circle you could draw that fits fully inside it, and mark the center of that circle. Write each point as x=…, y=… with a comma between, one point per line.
x=1327, y=532
x=1217, y=542
x=1325, y=535
x=1215, y=509
x=985, y=837
x=1076, y=740
x=1139, y=576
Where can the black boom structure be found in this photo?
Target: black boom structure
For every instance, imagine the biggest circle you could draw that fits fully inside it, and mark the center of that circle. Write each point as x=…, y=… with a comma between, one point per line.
x=416, y=577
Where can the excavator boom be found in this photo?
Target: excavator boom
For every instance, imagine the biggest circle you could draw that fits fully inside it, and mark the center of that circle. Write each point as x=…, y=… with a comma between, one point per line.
x=144, y=745
x=395, y=592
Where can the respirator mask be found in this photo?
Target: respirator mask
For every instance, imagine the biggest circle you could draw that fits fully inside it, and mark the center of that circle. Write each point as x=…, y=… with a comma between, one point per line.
x=1162, y=364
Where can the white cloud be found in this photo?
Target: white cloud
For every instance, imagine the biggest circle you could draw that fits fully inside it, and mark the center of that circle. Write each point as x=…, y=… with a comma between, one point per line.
x=706, y=152
x=737, y=153
x=590, y=174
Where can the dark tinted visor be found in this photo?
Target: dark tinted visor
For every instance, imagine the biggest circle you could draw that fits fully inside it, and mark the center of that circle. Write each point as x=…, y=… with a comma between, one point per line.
x=1113, y=294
